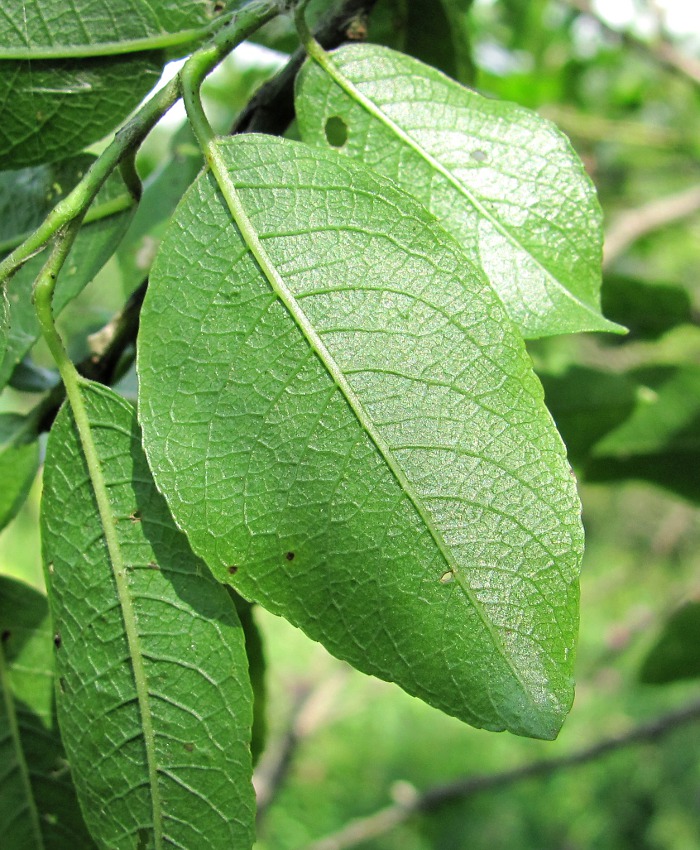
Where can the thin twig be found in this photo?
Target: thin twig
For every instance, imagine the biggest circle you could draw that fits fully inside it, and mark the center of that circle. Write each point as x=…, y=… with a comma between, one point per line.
x=632, y=225
x=361, y=830
x=661, y=50
x=271, y=109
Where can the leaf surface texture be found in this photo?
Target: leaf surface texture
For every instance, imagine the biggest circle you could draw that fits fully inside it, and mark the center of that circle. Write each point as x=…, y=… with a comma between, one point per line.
x=154, y=699
x=503, y=181
x=356, y=441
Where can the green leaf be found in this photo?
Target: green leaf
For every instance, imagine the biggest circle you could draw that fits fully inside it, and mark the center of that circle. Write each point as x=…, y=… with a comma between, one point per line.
x=504, y=182
x=648, y=310
x=154, y=701
x=19, y=461
x=34, y=191
x=38, y=806
x=4, y=321
x=357, y=441
x=160, y=197
x=675, y=655
x=61, y=106
x=54, y=29
x=660, y=441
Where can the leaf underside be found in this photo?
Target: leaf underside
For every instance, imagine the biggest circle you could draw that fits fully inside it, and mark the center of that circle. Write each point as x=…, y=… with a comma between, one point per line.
x=359, y=443
x=38, y=806
x=503, y=181
x=170, y=767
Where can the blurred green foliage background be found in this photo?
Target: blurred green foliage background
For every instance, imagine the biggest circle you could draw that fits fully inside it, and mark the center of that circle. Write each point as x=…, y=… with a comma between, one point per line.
x=630, y=412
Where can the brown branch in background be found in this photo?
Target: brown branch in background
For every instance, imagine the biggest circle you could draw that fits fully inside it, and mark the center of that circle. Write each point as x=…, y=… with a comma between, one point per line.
x=271, y=109
x=632, y=225
x=661, y=50
x=311, y=707
x=361, y=830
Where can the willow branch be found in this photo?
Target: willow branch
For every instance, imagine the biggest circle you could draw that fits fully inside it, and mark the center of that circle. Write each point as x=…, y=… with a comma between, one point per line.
x=661, y=50
x=632, y=225
x=359, y=831
x=271, y=109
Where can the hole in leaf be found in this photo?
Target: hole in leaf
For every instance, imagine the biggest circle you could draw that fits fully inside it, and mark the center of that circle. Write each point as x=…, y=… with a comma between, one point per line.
x=232, y=570
x=336, y=131
x=289, y=556
x=57, y=640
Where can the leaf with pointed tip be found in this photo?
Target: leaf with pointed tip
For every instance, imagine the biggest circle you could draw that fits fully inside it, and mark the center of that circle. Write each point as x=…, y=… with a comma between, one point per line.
x=355, y=439
x=54, y=29
x=30, y=193
x=58, y=107
x=19, y=461
x=503, y=181
x=38, y=806
x=154, y=700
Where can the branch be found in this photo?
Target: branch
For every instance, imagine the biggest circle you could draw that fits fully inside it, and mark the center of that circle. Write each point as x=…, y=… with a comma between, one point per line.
x=364, y=829
x=661, y=50
x=271, y=109
x=631, y=225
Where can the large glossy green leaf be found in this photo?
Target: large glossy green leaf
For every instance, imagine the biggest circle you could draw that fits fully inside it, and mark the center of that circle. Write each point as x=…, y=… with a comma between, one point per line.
x=32, y=192
x=55, y=29
x=675, y=655
x=51, y=109
x=38, y=806
x=154, y=700
x=659, y=441
x=19, y=461
x=357, y=441
x=503, y=181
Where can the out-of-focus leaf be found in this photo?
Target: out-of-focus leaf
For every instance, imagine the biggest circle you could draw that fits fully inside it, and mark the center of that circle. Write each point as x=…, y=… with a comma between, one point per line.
x=356, y=440
x=503, y=181
x=256, y=668
x=19, y=460
x=38, y=806
x=27, y=377
x=648, y=310
x=660, y=441
x=55, y=29
x=586, y=404
x=34, y=191
x=154, y=700
x=160, y=196
x=676, y=654
x=52, y=109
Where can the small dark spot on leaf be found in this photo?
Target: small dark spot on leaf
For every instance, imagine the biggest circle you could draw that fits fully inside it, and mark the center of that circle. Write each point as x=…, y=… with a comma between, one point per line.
x=289, y=556
x=6, y=635
x=479, y=156
x=135, y=517
x=189, y=747
x=57, y=640
x=336, y=131
x=62, y=685
x=219, y=6
x=233, y=569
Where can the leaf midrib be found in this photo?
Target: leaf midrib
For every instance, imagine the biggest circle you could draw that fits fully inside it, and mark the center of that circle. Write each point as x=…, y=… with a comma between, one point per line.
x=288, y=299
x=353, y=92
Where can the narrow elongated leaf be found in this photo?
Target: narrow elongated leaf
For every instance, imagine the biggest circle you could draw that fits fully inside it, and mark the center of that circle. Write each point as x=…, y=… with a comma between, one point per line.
x=38, y=806
x=34, y=191
x=675, y=655
x=355, y=439
x=19, y=460
x=504, y=182
x=54, y=29
x=52, y=109
x=154, y=699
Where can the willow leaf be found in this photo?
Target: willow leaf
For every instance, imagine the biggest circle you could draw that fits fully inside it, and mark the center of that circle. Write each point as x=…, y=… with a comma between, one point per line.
x=355, y=438
x=38, y=806
x=54, y=29
x=154, y=700
x=504, y=182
